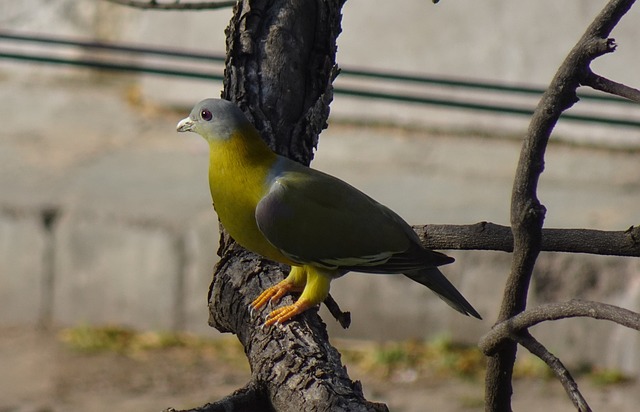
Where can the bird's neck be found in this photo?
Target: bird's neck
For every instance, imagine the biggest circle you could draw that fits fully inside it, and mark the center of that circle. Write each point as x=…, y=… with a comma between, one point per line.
x=240, y=165
x=244, y=148
x=240, y=173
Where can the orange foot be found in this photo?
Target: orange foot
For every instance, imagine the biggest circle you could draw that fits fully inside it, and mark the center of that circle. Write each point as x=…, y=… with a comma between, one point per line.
x=274, y=293
x=283, y=314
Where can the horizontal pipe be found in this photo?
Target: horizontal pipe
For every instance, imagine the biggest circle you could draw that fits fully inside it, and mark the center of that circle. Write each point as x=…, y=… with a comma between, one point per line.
x=101, y=64
x=352, y=72
x=97, y=64
x=59, y=41
x=483, y=107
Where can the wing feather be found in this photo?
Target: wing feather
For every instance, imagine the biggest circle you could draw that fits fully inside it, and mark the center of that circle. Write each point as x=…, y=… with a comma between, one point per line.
x=315, y=218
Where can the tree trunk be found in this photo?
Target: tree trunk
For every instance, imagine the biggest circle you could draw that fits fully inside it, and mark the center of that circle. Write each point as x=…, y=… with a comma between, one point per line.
x=279, y=70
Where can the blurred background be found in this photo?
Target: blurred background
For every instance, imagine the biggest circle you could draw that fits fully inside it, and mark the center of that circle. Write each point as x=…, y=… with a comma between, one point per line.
x=105, y=214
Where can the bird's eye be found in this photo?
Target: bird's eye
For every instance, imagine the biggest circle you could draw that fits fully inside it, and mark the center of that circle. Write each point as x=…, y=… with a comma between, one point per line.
x=206, y=115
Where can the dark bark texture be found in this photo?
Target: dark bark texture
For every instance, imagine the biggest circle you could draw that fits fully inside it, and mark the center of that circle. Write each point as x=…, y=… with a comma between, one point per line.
x=279, y=70
x=280, y=67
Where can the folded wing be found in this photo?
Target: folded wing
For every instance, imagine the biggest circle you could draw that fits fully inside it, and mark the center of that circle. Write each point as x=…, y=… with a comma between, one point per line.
x=315, y=218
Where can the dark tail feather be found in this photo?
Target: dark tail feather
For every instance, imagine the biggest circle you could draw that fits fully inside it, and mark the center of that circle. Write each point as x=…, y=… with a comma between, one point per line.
x=435, y=280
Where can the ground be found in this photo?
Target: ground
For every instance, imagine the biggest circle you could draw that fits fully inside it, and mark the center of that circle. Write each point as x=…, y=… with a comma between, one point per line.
x=43, y=373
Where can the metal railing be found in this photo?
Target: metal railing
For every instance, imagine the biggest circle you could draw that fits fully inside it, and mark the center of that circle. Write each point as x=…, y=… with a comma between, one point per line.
x=209, y=66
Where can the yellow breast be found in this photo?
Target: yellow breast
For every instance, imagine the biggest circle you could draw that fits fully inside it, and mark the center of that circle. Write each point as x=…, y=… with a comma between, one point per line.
x=238, y=172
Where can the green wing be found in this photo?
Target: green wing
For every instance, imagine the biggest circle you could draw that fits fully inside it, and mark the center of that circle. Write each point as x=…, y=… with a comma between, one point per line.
x=315, y=218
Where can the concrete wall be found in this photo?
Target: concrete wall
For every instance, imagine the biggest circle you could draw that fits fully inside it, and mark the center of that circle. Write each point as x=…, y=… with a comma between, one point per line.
x=502, y=41
x=105, y=215
x=113, y=224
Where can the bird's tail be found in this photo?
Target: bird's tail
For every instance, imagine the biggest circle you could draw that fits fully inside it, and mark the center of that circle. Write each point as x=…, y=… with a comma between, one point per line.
x=437, y=282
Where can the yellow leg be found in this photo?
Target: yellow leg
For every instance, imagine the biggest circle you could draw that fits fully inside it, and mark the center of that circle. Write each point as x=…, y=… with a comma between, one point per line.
x=315, y=291
x=294, y=282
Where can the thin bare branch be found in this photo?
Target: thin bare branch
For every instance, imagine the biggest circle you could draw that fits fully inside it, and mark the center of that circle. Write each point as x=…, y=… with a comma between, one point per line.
x=343, y=318
x=176, y=5
x=603, y=84
x=557, y=367
x=490, y=236
x=527, y=213
x=506, y=330
x=516, y=330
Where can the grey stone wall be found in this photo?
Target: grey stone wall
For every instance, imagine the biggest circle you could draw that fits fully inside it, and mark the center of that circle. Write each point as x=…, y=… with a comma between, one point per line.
x=502, y=41
x=105, y=215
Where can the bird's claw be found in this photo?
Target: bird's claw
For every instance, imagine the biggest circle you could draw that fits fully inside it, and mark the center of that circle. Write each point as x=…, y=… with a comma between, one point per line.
x=285, y=313
x=264, y=327
x=272, y=295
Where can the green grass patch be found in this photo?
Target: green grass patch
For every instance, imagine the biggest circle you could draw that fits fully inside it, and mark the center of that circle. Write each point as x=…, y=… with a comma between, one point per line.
x=606, y=377
x=404, y=360
x=438, y=358
x=126, y=341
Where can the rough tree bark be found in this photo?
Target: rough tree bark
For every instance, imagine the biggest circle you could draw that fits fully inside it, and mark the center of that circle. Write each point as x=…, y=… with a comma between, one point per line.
x=279, y=70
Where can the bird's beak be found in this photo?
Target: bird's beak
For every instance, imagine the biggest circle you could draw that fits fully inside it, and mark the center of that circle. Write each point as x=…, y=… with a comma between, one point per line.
x=185, y=125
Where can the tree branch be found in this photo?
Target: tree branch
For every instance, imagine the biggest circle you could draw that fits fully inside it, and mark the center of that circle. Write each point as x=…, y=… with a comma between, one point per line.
x=603, y=84
x=516, y=329
x=294, y=364
x=490, y=236
x=527, y=213
x=279, y=68
x=246, y=399
x=343, y=318
x=503, y=331
x=176, y=5
x=558, y=369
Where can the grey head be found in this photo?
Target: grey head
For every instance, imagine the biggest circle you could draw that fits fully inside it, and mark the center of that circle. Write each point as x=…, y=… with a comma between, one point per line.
x=214, y=119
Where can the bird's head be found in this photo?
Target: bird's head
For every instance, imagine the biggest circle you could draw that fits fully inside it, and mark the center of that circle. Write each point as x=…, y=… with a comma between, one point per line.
x=214, y=119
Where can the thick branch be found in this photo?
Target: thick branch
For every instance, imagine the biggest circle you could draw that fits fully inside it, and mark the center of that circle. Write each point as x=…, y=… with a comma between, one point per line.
x=294, y=364
x=490, y=236
x=279, y=69
x=175, y=5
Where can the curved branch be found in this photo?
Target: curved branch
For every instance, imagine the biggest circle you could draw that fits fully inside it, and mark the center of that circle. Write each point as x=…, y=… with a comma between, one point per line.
x=490, y=236
x=516, y=330
x=527, y=213
x=557, y=367
x=246, y=399
x=506, y=330
x=176, y=5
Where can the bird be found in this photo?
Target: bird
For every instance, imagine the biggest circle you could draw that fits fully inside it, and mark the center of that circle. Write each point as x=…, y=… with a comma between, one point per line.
x=319, y=225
